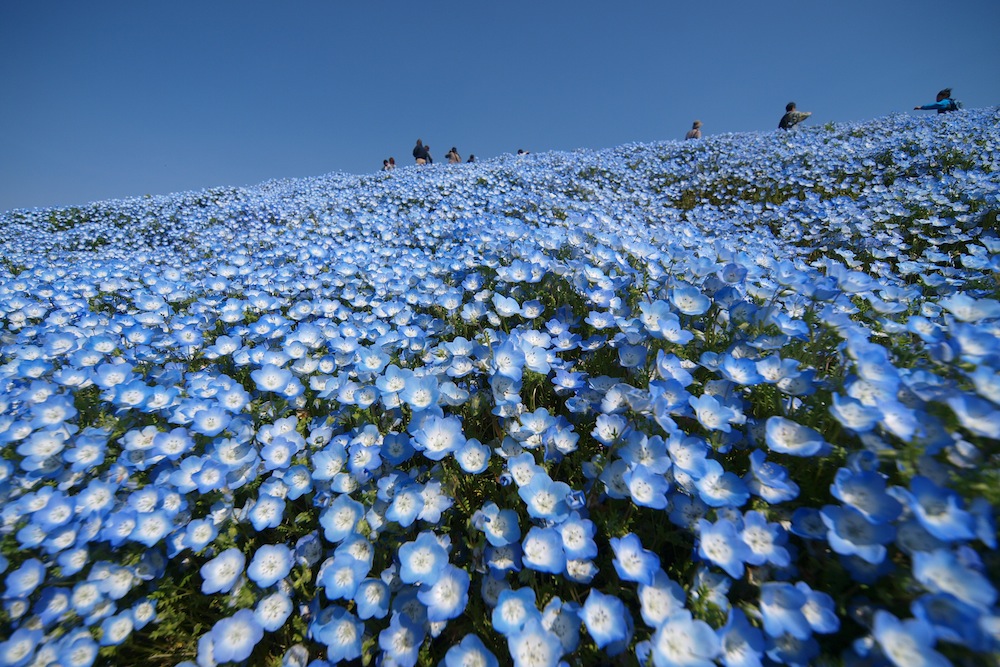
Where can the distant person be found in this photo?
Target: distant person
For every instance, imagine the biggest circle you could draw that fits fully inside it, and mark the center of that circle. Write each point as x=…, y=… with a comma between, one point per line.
x=695, y=131
x=452, y=156
x=521, y=151
x=421, y=153
x=392, y=163
x=385, y=165
x=943, y=104
x=472, y=158
x=792, y=117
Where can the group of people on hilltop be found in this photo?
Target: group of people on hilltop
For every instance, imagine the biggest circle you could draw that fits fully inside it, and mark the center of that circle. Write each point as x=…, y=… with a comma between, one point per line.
x=943, y=104
x=792, y=117
x=422, y=154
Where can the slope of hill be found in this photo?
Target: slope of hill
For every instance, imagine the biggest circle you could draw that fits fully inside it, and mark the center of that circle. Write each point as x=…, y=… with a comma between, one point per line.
x=728, y=400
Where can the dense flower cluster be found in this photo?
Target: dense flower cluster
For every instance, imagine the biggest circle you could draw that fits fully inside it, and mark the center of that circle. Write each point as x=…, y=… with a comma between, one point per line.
x=730, y=402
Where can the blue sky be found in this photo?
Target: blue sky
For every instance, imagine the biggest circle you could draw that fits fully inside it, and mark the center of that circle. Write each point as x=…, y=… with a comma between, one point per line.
x=104, y=100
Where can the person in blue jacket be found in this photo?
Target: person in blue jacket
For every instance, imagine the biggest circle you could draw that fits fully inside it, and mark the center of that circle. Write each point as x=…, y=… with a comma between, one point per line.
x=943, y=104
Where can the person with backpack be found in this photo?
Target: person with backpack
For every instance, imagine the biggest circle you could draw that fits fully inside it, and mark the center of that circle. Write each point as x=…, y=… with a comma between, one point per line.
x=943, y=104
x=792, y=117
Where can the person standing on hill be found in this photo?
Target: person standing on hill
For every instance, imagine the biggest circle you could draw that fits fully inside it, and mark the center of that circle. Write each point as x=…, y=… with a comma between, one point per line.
x=422, y=154
x=452, y=156
x=792, y=117
x=695, y=131
x=943, y=103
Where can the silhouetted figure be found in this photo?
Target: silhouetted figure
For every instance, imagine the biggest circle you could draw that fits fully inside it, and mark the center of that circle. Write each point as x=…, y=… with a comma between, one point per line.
x=521, y=151
x=385, y=165
x=792, y=117
x=695, y=131
x=472, y=158
x=452, y=156
x=392, y=163
x=422, y=154
x=942, y=104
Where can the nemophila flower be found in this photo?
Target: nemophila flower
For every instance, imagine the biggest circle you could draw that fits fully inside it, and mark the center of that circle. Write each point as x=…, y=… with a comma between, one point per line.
x=422, y=560
x=968, y=309
x=545, y=498
x=788, y=437
x=542, y=550
x=514, y=608
x=447, y=597
x=819, y=609
x=720, y=544
x=940, y=571
x=781, y=608
x=371, y=599
x=23, y=581
x=271, y=378
x=340, y=518
x=770, y=480
x=908, y=643
x=689, y=300
x=721, y=488
x=234, y=637
x=435, y=502
x=660, y=599
x=473, y=457
x=953, y=621
x=632, y=562
x=939, y=510
x=508, y=360
x=420, y=392
x=605, y=618
x=609, y=428
x=853, y=414
x=713, y=415
x=646, y=488
x=741, y=644
x=534, y=646
x=273, y=610
x=267, y=512
x=19, y=648
x=850, y=533
x=438, y=436
x=172, y=444
x=402, y=640
x=470, y=652
x=151, y=527
x=499, y=526
x=681, y=641
x=765, y=540
x=739, y=370
x=341, y=575
x=116, y=629
x=270, y=563
x=220, y=574
x=406, y=505
x=978, y=416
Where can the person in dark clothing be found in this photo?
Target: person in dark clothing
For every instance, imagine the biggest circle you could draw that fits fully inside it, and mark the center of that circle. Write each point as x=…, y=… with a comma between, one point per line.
x=943, y=103
x=472, y=158
x=422, y=154
x=792, y=117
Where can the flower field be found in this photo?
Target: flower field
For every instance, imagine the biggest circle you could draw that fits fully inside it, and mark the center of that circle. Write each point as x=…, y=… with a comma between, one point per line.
x=723, y=402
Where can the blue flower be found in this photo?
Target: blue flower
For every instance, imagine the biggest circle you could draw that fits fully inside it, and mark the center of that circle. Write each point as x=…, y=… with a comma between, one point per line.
x=470, y=651
x=908, y=643
x=513, y=610
x=742, y=645
x=19, y=648
x=940, y=571
x=542, y=550
x=422, y=560
x=447, y=596
x=770, y=480
x=850, y=533
x=632, y=562
x=681, y=641
x=273, y=610
x=371, y=599
x=647, y=488
x=270, y=564
x=221, y=573
x=544, y=498
x=534, y=646
x=765, y=540
x=605, y=618
x=939, y=510
x=788, y=437
x=781, y=608
x=234, y=638
x=720, y=544
x=714, y=415
x=660, y=599
x=340, y=518
x=23, y=581
x=500, y=526
x=864, y=490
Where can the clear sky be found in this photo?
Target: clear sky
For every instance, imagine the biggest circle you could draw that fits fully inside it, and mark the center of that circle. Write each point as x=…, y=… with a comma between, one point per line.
x=110, y=99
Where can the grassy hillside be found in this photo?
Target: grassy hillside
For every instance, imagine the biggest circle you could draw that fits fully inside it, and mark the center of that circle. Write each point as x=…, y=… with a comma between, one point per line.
x=731, y=401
